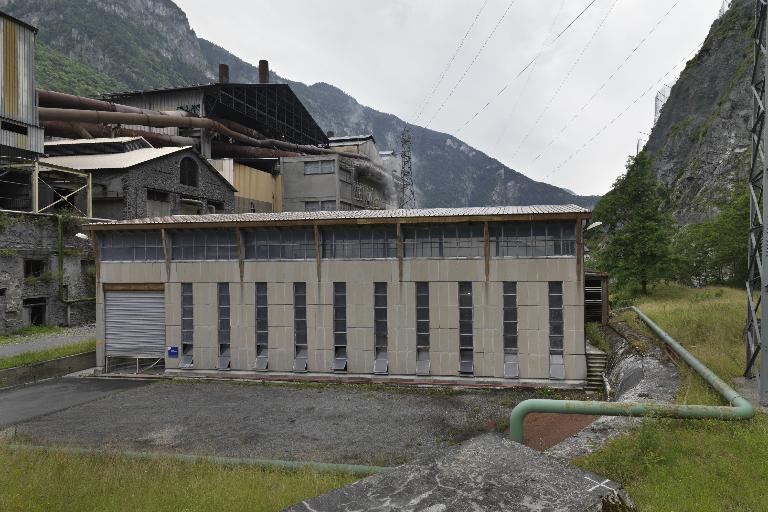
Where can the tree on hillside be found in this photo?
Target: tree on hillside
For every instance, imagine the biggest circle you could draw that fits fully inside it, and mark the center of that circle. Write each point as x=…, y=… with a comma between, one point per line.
x=637, y=235
x=715, y=251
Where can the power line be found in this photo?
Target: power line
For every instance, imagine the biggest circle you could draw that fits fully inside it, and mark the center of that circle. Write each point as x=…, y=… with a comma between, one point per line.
x=605, y=83
x=620, y=114
x=530, y=63
x=429, y=96
x=524, y=88
x=564, y=80
x=472, y=63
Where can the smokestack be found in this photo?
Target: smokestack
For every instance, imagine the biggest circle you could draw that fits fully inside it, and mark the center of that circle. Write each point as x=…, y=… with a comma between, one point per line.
x=223, y=74
x=263, y=71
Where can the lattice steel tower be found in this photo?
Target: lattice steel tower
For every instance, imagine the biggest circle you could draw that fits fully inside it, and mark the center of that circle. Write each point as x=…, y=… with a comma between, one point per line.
x=757, y=312
x=407, y=196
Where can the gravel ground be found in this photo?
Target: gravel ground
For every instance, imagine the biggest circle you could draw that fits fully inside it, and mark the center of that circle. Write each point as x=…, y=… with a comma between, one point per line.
x=35, y=343
x=330, y=423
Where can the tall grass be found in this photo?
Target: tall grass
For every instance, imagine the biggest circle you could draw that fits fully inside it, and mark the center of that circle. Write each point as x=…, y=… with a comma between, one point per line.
x=702, y=465
x=42, y=481
x=29, y=358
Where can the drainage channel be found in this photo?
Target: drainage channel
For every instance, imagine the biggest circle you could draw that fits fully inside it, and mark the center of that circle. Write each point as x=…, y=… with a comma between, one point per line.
x=739, y=408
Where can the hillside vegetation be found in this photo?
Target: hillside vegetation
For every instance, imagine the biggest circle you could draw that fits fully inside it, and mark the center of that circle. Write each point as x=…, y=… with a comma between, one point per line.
x=55, y=71
x=693, y=465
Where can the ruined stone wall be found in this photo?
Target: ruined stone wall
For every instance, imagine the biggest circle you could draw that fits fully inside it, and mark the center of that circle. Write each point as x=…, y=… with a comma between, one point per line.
x=26, y=236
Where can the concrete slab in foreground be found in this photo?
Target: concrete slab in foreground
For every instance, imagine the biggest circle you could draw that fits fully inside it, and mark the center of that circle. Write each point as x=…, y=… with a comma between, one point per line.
x=486, y=474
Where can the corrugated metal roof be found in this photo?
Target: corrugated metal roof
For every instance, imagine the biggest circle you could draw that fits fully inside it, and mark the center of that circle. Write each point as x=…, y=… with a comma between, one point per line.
x=64, y=142
x=485, y=211
x=112, y=160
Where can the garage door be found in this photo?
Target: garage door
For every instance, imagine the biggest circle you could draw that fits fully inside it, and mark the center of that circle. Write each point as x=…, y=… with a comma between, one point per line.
x=135, y=323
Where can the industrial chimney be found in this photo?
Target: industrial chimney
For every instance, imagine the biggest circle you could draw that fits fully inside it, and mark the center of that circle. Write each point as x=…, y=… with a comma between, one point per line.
x=223, y=74
x=263, y=72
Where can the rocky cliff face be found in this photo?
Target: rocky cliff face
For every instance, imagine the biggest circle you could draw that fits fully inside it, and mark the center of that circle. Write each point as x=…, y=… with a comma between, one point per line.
x=149, y=44
x=700, y=144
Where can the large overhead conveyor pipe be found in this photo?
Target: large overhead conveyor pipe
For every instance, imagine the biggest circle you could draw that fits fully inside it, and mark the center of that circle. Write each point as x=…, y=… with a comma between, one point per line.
x=73, y=130
x=226, y=150
x=52, y=99
x=739, y=408
x=158, y=120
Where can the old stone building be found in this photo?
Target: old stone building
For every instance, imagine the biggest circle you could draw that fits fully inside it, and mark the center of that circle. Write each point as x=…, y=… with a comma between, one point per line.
x=131, y=179
x=46, y=273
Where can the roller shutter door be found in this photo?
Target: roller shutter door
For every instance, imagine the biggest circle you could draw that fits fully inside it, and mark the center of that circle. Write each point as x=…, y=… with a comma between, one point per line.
x=135, y=323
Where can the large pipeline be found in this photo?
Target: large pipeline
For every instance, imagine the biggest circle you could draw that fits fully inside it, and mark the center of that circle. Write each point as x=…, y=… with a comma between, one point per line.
x=163, y=121
x=226, y=150
x=738, y=408
x=73, y=130
x=52, y=99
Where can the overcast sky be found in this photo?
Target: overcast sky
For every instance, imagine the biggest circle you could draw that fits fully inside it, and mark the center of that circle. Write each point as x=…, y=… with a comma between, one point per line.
x=390, y=54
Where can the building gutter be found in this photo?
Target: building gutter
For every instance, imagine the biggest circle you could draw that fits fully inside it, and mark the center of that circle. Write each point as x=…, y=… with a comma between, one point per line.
x=738, y=409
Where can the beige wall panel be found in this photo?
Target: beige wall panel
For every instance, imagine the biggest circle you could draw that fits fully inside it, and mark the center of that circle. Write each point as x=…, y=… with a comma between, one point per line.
x=573, y=342
x=538, y=343
x=573, y=294
x=279, y=315
x=532, y=318
x=204, y=357
x=489, y=340
x=443, y=340
x=444, y=294
x=204, y=294
x=573, y=316
x=444, y=317
x=420, y=270
x=220, y=271
x=461, y=270
x=532, y=293
x=537, y=367
x=281, y=338
x=186, y=272
x=320, y=361
x=279, y=293
x=575, y=367
x=359, y=339
x=280, y=359
x=527, y=341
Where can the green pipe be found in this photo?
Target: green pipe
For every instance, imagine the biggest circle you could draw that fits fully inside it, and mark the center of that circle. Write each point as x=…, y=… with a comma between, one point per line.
x=739, y=408
x=290, y=465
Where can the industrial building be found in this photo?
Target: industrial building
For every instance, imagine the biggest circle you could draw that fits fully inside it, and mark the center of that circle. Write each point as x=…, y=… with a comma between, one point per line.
x=20, y=132
x=468, y=295
x=131, y=179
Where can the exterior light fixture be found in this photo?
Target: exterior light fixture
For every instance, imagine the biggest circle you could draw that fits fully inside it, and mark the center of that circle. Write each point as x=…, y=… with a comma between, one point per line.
x=83, y=236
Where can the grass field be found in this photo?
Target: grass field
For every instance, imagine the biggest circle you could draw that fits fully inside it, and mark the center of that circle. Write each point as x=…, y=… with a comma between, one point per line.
x=33, y=481
x=20, y=335
x=28, y=358
x=702, y=465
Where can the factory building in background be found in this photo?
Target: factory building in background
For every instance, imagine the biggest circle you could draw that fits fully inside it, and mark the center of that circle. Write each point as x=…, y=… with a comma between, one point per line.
x=468, y=295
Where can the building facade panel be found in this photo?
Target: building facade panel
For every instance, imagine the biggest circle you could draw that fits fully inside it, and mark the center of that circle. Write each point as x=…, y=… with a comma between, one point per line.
x=379, y=317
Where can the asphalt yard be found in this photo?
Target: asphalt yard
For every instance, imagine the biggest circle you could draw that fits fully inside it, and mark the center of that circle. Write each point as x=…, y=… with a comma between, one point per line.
x=359, y=424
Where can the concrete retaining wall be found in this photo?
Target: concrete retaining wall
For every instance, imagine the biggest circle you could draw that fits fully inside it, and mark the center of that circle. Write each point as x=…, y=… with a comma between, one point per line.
x=47, y=369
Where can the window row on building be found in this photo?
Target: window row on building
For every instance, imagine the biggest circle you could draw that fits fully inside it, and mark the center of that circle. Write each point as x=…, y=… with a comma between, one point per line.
x=510, y=240
x=302, y=339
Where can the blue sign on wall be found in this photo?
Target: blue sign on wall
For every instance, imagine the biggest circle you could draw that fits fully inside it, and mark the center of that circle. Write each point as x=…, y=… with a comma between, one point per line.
x=173, y=351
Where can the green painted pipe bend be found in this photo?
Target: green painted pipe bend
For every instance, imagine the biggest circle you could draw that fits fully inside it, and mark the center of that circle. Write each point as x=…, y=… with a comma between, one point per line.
x=739, y=408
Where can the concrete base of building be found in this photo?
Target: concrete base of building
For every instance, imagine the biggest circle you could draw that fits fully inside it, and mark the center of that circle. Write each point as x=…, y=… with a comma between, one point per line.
x=351, y=378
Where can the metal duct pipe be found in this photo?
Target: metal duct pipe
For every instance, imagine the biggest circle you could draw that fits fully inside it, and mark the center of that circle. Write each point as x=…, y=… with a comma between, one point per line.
x=225, y=150
x=739, y=408
x=63, y=100
x=161, y=121
x=72, y=130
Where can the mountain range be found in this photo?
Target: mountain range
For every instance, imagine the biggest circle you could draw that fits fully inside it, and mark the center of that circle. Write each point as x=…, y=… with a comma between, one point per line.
x=90, y=47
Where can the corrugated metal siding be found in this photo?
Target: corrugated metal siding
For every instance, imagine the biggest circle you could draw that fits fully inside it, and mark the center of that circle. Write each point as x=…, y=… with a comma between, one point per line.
x=163, y=102
x=134, y=323
x=18, y=103
x=479, y=211
x=253, y=184
x=225, y=167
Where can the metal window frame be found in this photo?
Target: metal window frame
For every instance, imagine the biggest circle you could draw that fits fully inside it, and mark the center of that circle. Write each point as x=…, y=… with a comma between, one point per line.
x=224, y=334
x=510, y=329
x=423, y=362
x=466, y=353
x=187, y=313
x=339, y=335
x=262, y=327
x=380, y=328
x=556, y=355
x=300, y=350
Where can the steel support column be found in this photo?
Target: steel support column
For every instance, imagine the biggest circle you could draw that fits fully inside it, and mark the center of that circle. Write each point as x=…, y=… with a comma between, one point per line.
x=757, y=238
